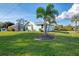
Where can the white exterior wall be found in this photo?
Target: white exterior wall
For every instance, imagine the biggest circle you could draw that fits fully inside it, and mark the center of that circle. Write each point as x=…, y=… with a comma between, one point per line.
x=35, y=27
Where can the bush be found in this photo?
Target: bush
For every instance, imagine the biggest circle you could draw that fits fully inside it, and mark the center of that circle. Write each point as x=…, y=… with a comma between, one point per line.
x=64, y=28
x=68, y=28
x=10, y=28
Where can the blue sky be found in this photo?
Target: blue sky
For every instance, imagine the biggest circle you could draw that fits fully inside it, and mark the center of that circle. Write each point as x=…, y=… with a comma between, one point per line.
x=11, y=12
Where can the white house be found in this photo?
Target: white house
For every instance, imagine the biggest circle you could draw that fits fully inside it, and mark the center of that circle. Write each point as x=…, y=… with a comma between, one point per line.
x=31, y=26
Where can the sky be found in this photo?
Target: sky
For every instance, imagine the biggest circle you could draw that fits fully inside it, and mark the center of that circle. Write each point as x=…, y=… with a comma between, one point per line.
x=13, y=11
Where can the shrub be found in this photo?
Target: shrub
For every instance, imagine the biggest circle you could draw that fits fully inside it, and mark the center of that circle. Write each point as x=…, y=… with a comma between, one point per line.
x=64, y=28
x=10, y=28
x=68, y=28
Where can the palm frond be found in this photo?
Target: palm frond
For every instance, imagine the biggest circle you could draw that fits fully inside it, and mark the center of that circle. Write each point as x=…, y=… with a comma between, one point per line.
x=51, y=11
x=40, y=12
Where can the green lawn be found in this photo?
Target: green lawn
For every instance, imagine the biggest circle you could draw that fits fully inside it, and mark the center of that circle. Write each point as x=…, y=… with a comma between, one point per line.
x=23, y=43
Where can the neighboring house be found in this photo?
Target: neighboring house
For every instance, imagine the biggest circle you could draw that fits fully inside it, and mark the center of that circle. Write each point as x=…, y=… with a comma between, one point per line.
x=31, y=26
x=28, y=27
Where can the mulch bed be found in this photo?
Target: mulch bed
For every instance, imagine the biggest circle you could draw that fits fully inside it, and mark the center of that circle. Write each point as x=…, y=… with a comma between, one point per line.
x=45, y=37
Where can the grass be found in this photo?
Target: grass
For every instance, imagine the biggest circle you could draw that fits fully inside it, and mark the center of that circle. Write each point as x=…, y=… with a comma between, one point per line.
x=23, y=44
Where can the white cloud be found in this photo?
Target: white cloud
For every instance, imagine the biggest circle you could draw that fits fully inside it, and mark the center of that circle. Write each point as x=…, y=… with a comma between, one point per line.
x=68, y=14
x=62, y=15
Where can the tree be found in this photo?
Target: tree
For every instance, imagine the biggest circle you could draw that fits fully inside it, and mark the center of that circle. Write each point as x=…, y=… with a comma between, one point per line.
x=19, y=22
x=22, y=24
x=47, y=14
x=1, y=24
x=75, y=19
x=6, y=24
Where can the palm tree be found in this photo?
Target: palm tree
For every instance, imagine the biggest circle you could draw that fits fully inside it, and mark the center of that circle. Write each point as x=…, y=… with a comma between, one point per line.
x=75, y=19
x=47, y=14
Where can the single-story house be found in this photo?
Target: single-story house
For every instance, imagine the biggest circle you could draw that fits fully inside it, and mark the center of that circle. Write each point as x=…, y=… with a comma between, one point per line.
x=31, y=26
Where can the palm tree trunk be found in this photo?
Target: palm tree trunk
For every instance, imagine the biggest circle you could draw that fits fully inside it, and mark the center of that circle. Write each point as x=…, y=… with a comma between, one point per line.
x=45, y=29
x=75, y=26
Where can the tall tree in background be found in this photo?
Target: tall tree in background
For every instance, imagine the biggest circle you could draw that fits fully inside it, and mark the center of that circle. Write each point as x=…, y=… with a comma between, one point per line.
x=1, y=25
x=75, y=19
x=47, y=14
x=22, y=23
x=19, y=23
